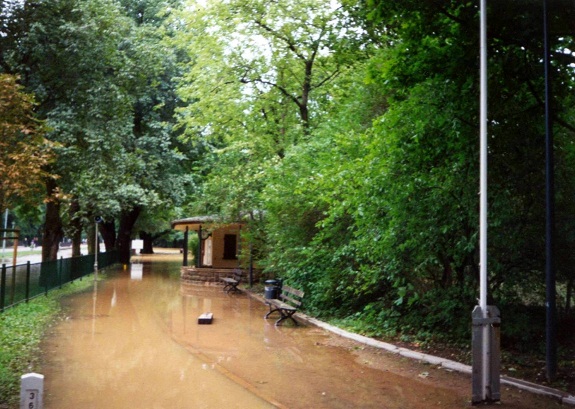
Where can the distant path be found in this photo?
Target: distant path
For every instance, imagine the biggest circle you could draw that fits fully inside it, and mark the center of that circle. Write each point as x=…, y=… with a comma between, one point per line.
x=63, y=252
x=36, y=257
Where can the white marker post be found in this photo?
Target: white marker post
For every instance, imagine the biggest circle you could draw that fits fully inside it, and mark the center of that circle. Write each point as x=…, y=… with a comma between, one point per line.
x=32, y=391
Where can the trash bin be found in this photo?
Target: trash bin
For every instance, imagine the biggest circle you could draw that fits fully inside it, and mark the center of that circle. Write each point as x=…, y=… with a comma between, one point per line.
x=272, y=289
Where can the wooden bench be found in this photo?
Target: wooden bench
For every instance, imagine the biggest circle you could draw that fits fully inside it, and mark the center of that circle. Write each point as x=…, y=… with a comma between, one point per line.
x=231, y=283
x=288, y=303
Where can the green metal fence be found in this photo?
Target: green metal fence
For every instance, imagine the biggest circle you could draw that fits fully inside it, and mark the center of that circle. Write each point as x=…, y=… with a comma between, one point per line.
x=23, y=282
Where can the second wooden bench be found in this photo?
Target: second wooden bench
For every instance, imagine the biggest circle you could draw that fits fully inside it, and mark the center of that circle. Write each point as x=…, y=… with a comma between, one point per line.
x=288, y=303
x=231, y=283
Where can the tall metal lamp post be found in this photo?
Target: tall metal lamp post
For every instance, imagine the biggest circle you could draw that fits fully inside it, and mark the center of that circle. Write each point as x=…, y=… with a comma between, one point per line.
x=550, y=280
x=485, y=318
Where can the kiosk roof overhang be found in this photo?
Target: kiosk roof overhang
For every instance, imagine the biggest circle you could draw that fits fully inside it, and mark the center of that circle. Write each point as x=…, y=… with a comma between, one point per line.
x=194, y=223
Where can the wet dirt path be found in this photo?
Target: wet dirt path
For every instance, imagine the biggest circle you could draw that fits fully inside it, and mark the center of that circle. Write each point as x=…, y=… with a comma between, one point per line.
x=134, y=341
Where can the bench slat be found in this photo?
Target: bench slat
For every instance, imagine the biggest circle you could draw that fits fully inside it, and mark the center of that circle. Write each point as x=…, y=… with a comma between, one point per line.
x=281, y=305
x=294, y=291
x=289, y=299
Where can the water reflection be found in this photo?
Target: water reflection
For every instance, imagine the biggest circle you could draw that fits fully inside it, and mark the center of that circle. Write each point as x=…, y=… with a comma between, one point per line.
x=136, y=271
x=114, y=351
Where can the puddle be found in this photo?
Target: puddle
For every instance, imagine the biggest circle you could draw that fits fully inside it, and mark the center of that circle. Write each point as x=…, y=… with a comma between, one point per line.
x=134, y=341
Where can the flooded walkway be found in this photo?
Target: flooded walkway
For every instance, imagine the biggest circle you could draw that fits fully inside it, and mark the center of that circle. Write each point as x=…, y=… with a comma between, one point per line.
x=134, y=341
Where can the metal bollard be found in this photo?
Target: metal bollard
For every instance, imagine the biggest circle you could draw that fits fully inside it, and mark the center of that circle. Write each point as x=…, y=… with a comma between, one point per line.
x=3, y=287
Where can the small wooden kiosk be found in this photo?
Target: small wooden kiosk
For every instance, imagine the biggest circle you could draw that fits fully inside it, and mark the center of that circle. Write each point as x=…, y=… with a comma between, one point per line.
x=217, y=254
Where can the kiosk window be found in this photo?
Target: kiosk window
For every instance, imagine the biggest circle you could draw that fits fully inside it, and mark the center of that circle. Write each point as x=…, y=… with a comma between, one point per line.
x=230, y=244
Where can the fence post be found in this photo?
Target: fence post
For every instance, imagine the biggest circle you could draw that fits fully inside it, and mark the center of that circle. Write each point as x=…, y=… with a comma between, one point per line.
x=46, y=285
x=60, y=278
x=2, y=287
x=13, y=286
x=27, y=281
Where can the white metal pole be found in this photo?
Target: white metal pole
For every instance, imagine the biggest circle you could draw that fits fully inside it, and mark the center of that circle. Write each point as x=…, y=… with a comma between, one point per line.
x=483, y=198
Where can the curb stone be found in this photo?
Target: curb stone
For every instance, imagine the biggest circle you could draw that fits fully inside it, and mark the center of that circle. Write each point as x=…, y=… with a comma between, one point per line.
x=562, y=397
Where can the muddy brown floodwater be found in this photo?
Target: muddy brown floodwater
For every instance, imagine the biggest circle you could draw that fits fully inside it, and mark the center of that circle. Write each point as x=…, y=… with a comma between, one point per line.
x=134, y=342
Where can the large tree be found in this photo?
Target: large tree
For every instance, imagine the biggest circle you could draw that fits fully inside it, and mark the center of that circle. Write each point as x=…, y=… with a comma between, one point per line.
x=66, y=52
x=100, y=72
x=261, y=79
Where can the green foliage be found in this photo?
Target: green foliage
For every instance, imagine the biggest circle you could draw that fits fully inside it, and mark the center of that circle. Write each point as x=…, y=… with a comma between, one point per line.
x=193, y=246
x=375, y=320
x=250, y=103
x=380, y=219
x=24, y=152
x=422, y=161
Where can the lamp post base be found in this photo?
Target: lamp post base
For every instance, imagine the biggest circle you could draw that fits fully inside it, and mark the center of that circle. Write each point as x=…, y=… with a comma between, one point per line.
x=486, y=355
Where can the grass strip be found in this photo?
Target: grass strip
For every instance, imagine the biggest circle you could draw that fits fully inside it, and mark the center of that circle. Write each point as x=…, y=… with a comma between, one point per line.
x=21, y=330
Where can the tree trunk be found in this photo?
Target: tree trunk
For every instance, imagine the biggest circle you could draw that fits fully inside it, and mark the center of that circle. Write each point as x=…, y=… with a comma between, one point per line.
x=124, y=241
x=447, y=274
x=76, y=228
x=53, y=232
x=108, y=231
x=148, y=239
x=306, y=89
x=91, y=233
